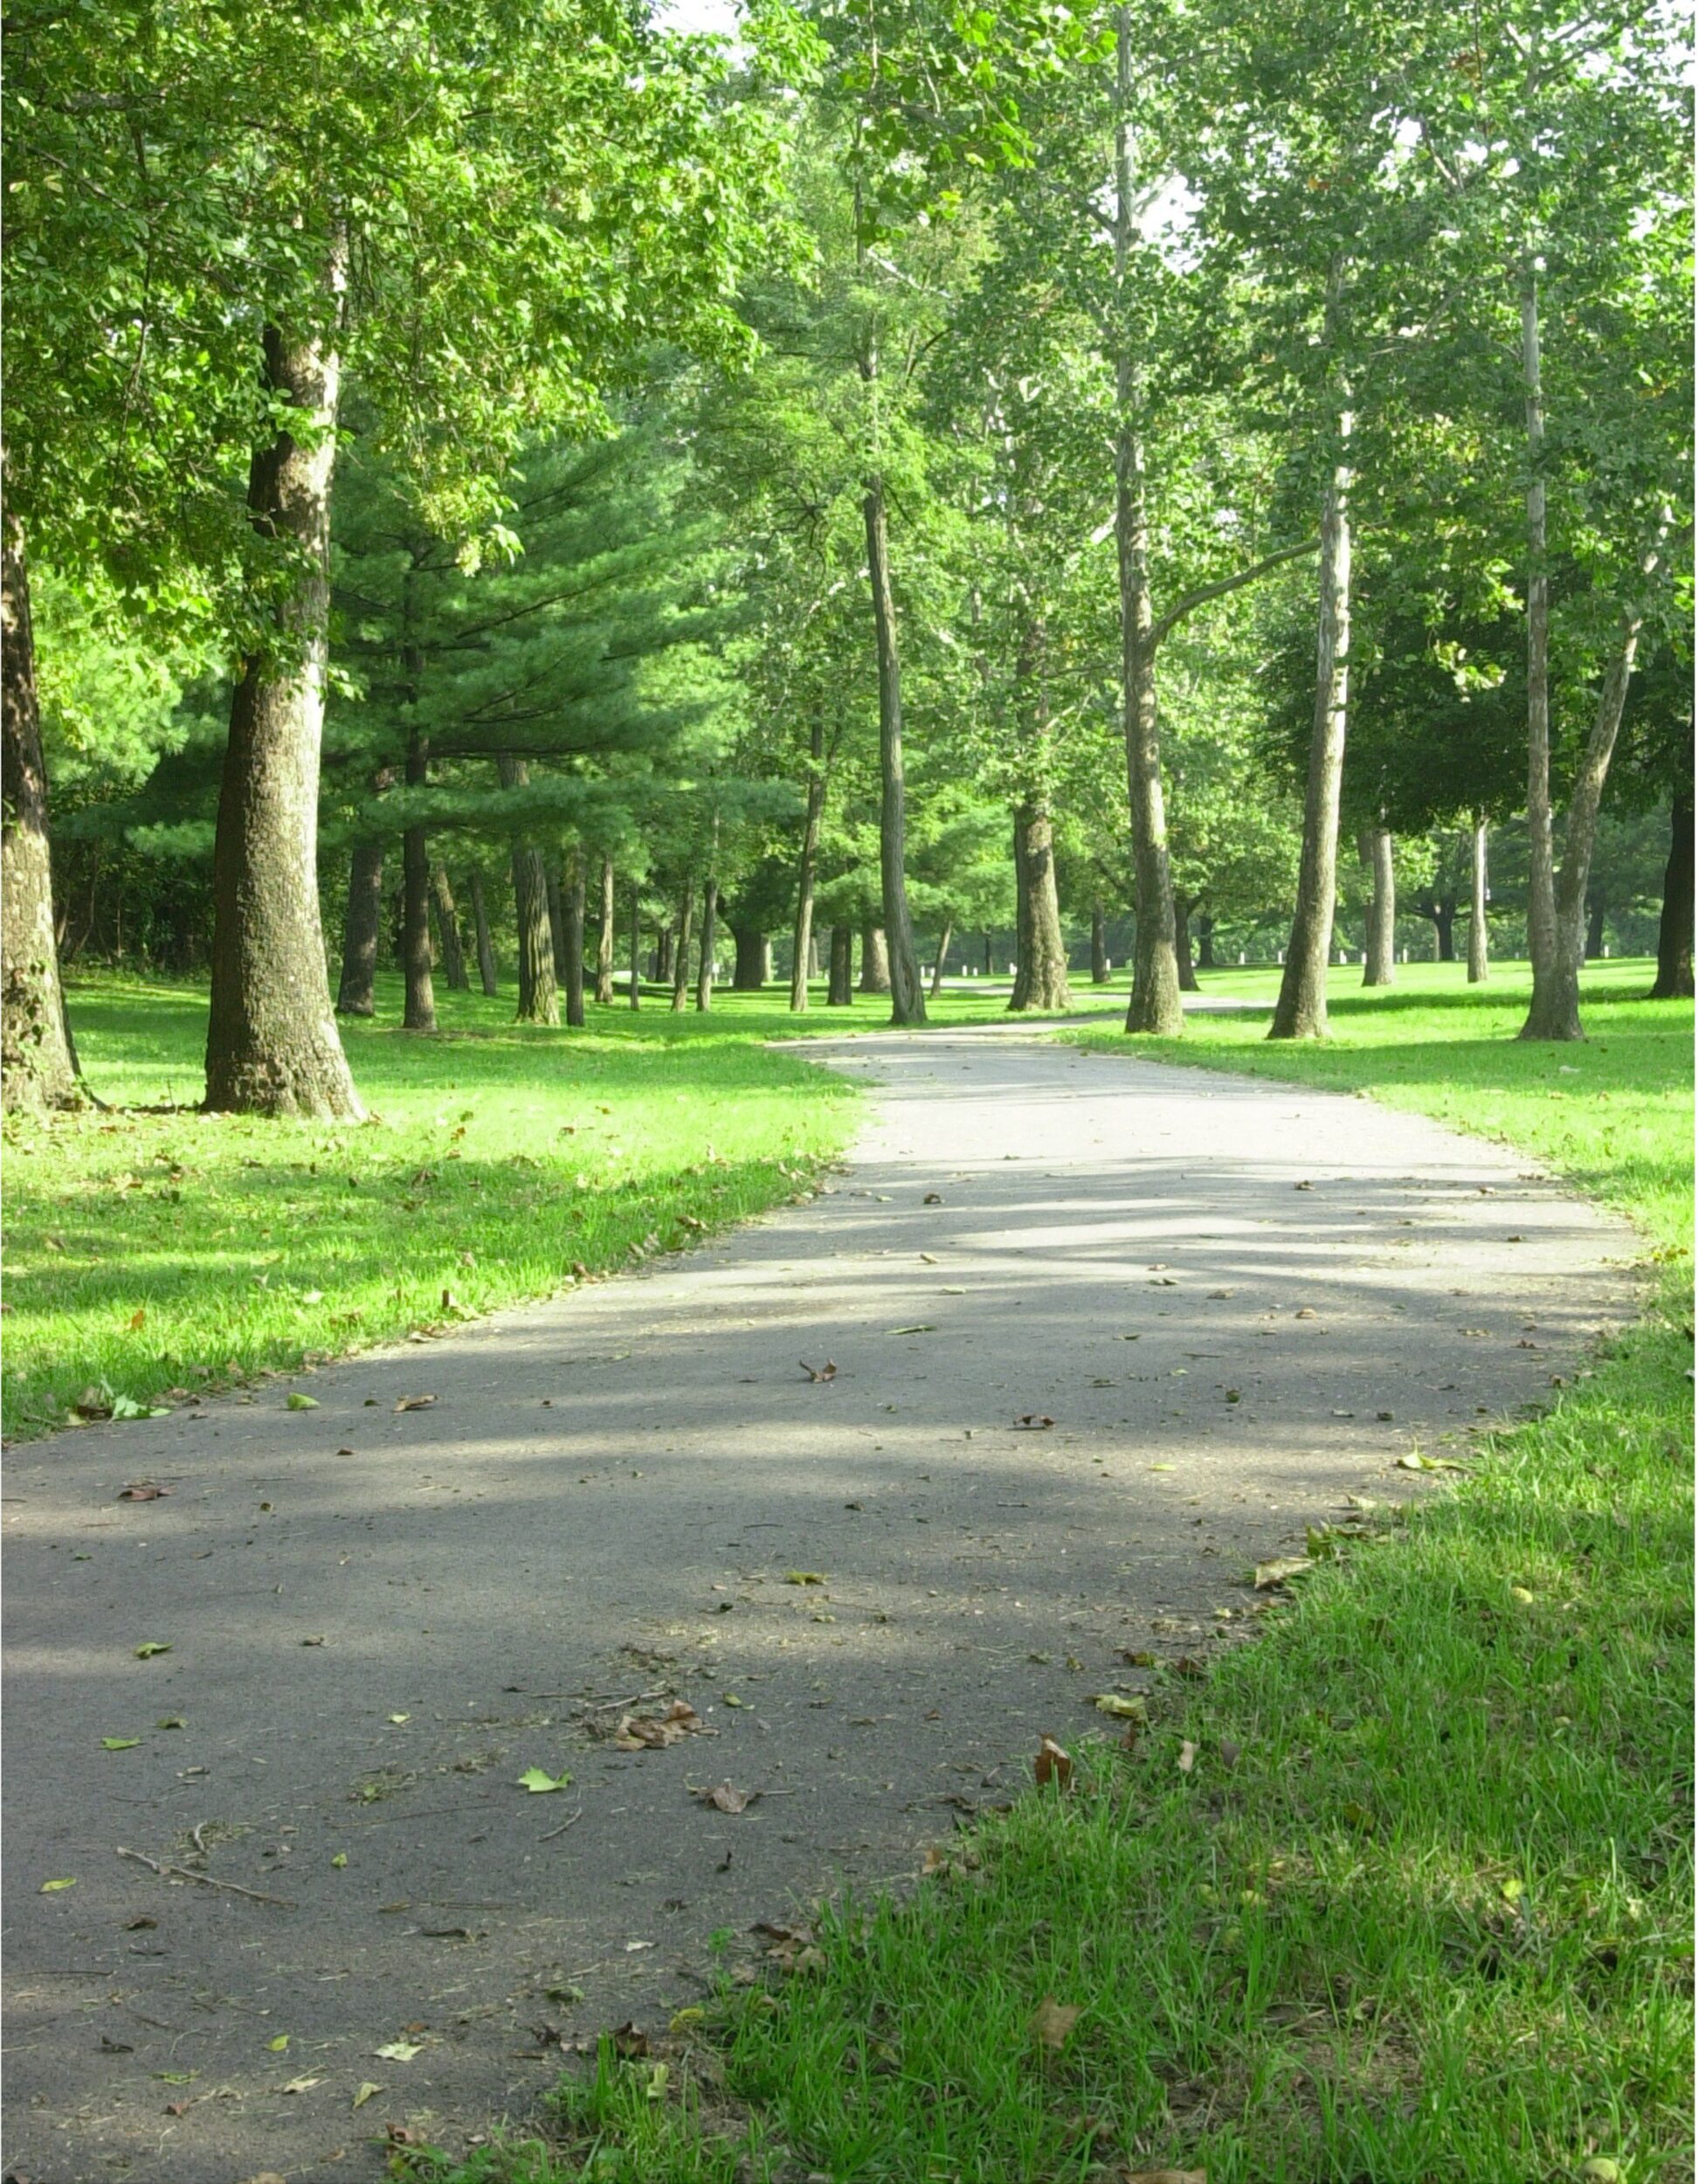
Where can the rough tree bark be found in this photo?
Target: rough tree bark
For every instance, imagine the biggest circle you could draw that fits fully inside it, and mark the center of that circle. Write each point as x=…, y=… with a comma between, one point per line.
x=419, y=1012
x=37, y=1067
x=1301, y=1011
x=754, y=964
x=539, y=995
x=680, y=984
x=1675, y=929
x=704, y=996
x=907, y=1001
x=1479, y=938
x=605, y=935
x=1099, y=945
x=1206, y=954
x=448, y=929
x=1043, y=957
x=1597, y=908
x=1379, y=966
x=839, y=991
x=636, y=946
x=1555, y=1012
x=1182, y=945
x=556, y=925
x=480, y=921
x=272, y=1045
x=663, y=955
x=571, y=892
x=944, y=940
x=800, y=961
x=875, y=960
x=364, y=922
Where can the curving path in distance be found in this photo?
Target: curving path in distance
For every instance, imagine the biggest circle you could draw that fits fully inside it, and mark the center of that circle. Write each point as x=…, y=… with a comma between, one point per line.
x=1237, y=1302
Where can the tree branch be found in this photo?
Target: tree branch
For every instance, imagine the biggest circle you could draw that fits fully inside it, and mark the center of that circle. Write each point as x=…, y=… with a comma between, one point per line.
x=1191, y=600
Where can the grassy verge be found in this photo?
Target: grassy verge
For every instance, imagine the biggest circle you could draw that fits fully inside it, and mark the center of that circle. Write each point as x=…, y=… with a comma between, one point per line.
x=1401, y=1893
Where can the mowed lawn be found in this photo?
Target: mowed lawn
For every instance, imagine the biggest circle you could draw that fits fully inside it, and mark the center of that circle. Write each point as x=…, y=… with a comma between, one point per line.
x=1399, y=1892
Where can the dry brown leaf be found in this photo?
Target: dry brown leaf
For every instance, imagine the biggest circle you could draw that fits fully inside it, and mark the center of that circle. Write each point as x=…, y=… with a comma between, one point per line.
x=1053, y=1765
x=1282, y=1566
x=827, y=1372
x=630, y=2040
x=1031, y=1422
x=143, y=1490
x=415, y=1403
x=1187, y=1757
x=724, y=1798
x=1051, y=2022
x=653, y=1733
x=936, y=1861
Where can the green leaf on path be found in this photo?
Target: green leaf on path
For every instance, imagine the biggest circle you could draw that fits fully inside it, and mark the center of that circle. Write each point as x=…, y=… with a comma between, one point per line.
x=50, y=1888
x=1123, y=1705
x=536, y=1781
x=298, y=1402
x=278, y=2045
x=400, y=2051
x=149, y=1647
x=804, y=1577
x=119, y=1744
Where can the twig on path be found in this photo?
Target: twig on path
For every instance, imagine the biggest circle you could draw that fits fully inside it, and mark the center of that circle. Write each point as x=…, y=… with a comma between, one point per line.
x=564, y=1825
x=187, y=1873
x=631, y=1698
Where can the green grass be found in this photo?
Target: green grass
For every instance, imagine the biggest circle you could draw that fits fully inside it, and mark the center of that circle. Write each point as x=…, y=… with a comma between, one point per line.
x=1422, y=1907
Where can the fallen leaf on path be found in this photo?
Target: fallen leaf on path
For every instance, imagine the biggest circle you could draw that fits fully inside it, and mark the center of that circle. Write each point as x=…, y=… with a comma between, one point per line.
x=1137, y=1659
x=1281, y=1568
x=149, y=1648
x=630, y=2040
x=1304, y=1312
x=143, y=1490
x=1033, y=1422
x=1123, y=1705
x=1187, y=1757
x=298, y=2085
x=827, y=1372
x=51, y=1888
x=933, y=1198
x=415, y=1403
x=1161, y=1467
x=1053, y=1765
x=298, y=1402
x=1051, y=2022
x=537, y=1781
x=400, y=2051
x=804, y=1577
x=921, y=1327
x=369, y=2087
x=724, y=1798
x=1302, y=1186
x=637, y=1732
x=128, y=1744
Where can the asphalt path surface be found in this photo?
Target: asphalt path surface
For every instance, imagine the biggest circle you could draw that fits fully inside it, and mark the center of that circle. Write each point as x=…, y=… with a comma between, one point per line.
x=1224, y=1307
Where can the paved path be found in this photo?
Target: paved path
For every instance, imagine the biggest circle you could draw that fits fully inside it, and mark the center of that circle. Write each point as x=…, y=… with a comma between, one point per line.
x=1237, y=1302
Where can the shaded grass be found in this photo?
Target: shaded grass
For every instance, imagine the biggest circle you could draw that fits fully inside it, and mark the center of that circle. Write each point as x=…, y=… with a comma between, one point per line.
x=1421, y=1906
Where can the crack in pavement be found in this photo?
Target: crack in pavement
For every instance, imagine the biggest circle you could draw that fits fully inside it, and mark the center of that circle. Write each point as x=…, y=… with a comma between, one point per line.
x=1237, y=1302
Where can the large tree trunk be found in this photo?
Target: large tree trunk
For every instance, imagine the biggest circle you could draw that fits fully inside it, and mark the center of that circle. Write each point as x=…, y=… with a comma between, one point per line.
x=558, y=926
x=1099, y=945
x=1016, y=998
x=37, y=1069
x=1182, y=945
x=839, y=991
x=875, y=960
x=1043, y=956
x=907, y=1001
x=1301, y=1011
x=1206, y=954
x=1379, y=967
x=1596, y=908
x=539, y=992
x=572, y=891
x=1154, y=1006
x=605, y=935
x=680, y=996
x=356, y=993
x=663, y=955
x=801, y=962
x=272, y=1046
x=420, y=1013
x=448, y=931
x=1443, y=931
x=754, y=964
x=944, y=940
x=636, y=945
x=1675, y=929
x=480, y=921
x=1479, y=939
x=704, y=997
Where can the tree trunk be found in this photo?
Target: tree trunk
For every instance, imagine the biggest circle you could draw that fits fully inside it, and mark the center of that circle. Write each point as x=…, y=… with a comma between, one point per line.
x=908, y=1002
x=1444, y=932
x=875, y=960
x=1182, y=946
x=1595, y=910
x=754, y=964
x=1016, y=998
x=636, y=946
x=801, y=962
x=605, y=935
x=572, y=917
x=1300, y=1012
x=37, y=1069
x=663, y=955
x=1044, y=958
x=1099, y=945
x=1674, y=928
x=1478, y=935
x=419, y=1012
x=480, y=921
x=839, y=991
x=681, y=998
x=709, y=938
x=1380, y=967
x=1154, y=1006
x=271, y=1046
x=557, y=924
x=448, y=931
x=987, y=954
x=539, y=996
x=357, y=994
x=943, y=939
x=1206, y=954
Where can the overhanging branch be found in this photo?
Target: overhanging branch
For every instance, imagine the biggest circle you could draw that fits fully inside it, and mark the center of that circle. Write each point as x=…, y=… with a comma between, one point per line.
x=1191, y=600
